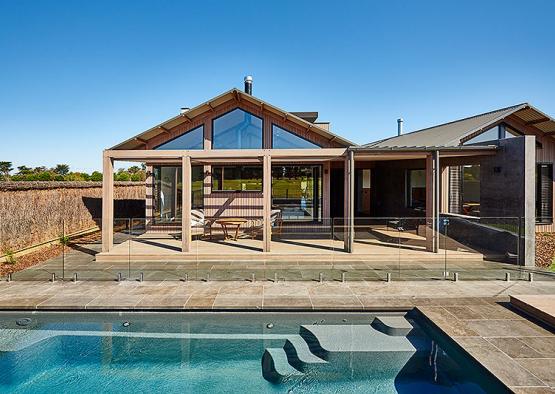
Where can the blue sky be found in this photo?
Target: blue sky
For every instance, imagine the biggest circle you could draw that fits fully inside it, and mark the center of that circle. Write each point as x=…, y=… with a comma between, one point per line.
x=77, y=77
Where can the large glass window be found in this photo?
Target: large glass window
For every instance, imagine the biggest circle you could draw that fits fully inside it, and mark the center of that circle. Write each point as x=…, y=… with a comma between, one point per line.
x=193, y=139
x=488, y=135
x=544, y=193
x=470, y=190
x=283, y=139
x=167, y=192
x=297, y=191
x=416, y=189
x=237, y=178
x=495, y=133
x=237, y=129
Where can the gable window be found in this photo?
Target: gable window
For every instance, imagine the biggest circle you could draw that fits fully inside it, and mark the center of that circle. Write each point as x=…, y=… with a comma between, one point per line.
x=237, y=178
x=237, y=129
x=498, y=132
x=544, y=193
x=193, y=139
x=284, y=139
x=416, y=189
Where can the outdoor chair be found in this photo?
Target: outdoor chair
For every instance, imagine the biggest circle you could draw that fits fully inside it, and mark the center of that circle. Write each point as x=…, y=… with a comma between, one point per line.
x=276, y=222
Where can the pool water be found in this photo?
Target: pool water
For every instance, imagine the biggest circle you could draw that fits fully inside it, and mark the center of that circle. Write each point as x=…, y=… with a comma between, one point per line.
x=224, y=352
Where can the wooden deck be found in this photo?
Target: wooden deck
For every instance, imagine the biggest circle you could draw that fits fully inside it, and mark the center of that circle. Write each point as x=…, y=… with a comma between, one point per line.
x=387, y=246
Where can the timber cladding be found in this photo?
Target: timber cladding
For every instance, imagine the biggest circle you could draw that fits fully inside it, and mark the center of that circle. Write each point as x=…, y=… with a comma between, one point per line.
x=32, y=213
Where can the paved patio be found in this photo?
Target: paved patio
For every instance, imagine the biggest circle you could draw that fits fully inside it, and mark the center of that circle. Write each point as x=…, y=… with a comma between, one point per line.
x=401, y=263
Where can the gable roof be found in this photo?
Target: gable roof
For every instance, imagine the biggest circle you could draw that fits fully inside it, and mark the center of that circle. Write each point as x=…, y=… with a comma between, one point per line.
x=450, y=134
x=233, y=94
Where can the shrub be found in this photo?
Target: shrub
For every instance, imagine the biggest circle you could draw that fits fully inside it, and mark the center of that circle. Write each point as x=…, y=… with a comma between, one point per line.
x=9, y=255
x=124, y=176
x=96, y=176
x=45, y=176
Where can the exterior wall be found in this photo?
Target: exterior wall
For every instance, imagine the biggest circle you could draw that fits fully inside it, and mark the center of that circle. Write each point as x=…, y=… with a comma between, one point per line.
x=507, y=188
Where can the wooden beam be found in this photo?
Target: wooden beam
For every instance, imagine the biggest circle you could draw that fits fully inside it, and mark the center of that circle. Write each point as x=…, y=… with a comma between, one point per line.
x=107, y=203
x=186, y=204
x=322, y=153
x=142, y=141
x=267, y=203
x=536, y=121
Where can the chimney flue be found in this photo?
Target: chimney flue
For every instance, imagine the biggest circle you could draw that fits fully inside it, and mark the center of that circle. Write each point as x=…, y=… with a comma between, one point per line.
x=399, y=126
x=182, y=110
x=248, y=85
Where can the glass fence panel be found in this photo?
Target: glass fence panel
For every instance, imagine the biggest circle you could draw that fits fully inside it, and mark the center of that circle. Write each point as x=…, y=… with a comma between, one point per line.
x=388, y=248
x=483, y=248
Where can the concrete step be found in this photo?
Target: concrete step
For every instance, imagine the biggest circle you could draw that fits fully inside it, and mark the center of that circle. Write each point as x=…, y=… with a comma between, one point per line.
x=392, y=325
x=276, y=367
x=299, y=354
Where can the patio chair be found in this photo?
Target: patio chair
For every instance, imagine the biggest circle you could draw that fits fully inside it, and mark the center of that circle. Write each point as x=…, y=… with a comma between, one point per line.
x=276, y=222
x=199, y=224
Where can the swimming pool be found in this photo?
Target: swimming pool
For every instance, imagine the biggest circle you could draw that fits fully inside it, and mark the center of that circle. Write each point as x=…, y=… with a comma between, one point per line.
x=123, y=352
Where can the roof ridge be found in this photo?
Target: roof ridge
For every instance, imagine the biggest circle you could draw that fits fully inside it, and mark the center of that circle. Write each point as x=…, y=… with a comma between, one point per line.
x=451, y=122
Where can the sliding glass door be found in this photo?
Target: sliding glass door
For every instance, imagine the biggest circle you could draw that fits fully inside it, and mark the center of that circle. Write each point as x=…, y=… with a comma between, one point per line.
x=167, y=192
x=297, y=192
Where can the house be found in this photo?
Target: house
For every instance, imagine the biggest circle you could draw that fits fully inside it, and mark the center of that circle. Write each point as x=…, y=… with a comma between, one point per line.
x=236, y=156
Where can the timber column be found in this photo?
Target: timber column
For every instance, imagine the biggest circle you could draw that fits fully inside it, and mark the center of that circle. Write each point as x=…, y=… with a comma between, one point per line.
x=349, y=193
x=267, y=202
x=186, y=204
x=107, y=202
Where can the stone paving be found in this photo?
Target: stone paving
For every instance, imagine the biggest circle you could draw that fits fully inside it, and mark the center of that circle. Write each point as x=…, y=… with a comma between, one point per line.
x=519, y=351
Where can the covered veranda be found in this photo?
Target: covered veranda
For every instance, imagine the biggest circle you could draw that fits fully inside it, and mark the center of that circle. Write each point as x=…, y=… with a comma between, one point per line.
x=337, y=238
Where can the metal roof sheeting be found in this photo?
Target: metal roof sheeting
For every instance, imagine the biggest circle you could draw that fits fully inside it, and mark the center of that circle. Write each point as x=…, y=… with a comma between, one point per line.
x=447, y=134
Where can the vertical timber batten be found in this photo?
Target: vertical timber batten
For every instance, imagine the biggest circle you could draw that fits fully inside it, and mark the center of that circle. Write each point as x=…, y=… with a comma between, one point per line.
x=186, y=204
x=267, y=202
x=107, y=203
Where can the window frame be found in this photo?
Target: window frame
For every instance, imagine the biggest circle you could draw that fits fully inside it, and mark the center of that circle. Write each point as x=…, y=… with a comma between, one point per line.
x=289, y=131
x=228, y=112
x=547, y=220
x=408, y=190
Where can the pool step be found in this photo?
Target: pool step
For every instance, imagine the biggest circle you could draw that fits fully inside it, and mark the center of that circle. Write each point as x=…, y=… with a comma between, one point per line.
x=396, y=326
x=276, y=367
x=299, y=354
x=325, y=340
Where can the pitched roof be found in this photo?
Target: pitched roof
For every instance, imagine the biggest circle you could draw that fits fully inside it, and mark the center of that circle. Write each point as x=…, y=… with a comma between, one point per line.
x=450, y=134
x=233, y=94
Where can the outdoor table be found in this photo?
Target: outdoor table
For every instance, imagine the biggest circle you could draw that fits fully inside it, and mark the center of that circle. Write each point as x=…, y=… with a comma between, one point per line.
x=233, y=223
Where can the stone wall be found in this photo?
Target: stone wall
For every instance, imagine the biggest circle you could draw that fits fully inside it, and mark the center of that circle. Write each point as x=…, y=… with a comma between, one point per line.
x=35, y=212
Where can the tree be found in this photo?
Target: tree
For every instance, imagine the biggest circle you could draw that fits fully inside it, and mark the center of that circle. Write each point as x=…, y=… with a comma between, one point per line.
x=122, y=176
x=38, y=170
x=61, y=169
x=96, y=176
x=133, y=169
x=5, y=168
x=23, y=170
